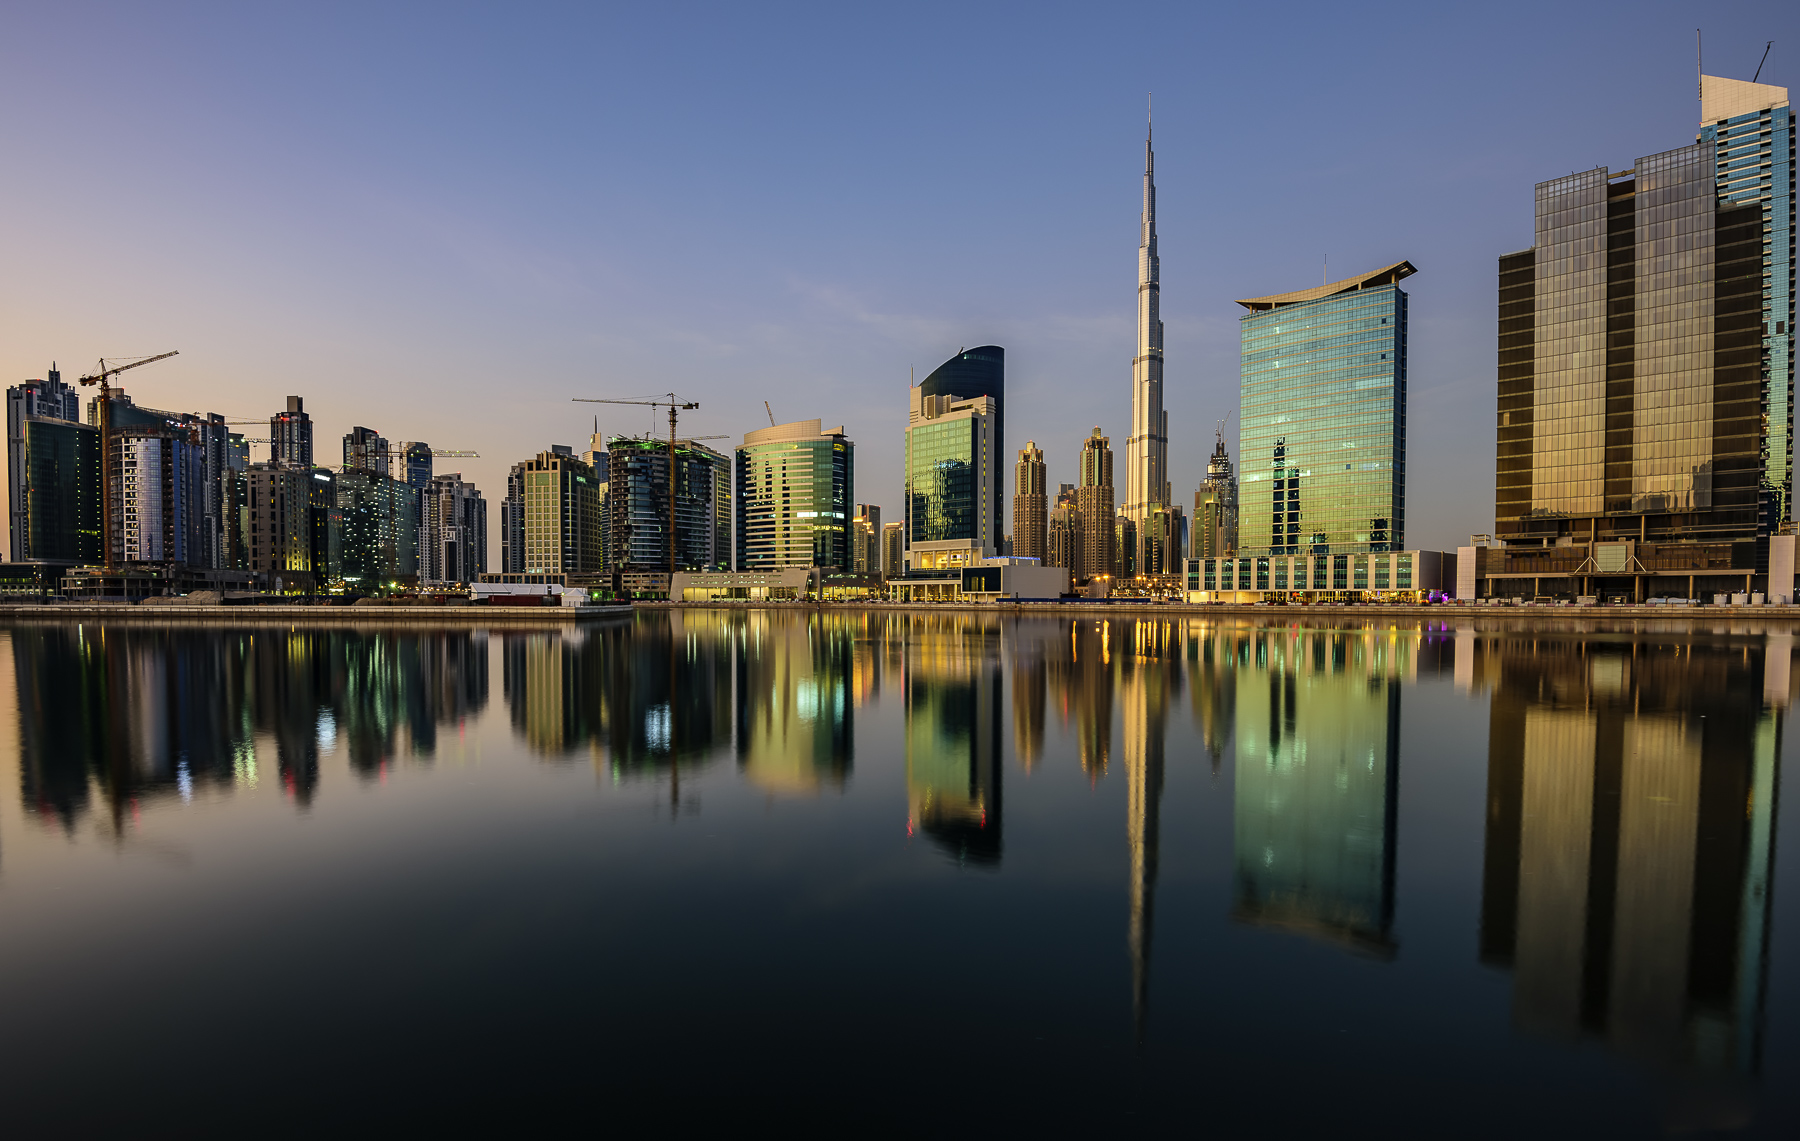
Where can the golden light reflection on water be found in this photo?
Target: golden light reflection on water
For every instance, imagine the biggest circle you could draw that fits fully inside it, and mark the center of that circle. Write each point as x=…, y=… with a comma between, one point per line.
x=1631, y=780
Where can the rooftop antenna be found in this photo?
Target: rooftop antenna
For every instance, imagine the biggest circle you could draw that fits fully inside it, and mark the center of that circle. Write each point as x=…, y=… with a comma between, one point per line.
x=1699, y=69
x=1325, y=272
x=1763, y=60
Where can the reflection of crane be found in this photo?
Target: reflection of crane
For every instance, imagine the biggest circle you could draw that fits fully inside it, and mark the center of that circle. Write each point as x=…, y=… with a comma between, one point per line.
x=673, y=402
x=103, y=378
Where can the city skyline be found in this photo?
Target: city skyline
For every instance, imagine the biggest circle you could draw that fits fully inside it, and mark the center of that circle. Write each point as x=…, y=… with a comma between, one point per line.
x=356, y=213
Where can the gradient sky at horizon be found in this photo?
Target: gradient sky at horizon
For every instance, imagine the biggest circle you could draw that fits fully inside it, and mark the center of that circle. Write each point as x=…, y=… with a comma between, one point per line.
x=444, y=221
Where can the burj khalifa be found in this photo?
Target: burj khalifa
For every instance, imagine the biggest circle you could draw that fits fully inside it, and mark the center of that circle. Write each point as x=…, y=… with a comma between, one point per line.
x=1147, y=448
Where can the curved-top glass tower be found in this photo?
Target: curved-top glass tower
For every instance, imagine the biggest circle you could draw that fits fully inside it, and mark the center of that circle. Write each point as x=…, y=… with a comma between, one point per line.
x=980, y=371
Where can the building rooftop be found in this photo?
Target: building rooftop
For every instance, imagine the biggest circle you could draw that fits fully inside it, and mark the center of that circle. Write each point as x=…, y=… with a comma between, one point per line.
x=1386, y=275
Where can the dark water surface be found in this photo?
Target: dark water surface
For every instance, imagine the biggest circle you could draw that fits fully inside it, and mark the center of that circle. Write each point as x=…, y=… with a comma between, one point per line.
x=931, y=872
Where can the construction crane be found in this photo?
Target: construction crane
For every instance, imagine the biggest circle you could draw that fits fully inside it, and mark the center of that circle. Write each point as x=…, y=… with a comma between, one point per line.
x=673, y=403
x=771, y=413
x=103, y=377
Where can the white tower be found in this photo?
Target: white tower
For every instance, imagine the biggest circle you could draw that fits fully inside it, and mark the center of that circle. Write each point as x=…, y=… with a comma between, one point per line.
x=1147, y=448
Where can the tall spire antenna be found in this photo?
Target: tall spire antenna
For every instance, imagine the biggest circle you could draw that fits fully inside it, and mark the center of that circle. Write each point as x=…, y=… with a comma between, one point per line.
x=1763, y=60
x=1699, y=70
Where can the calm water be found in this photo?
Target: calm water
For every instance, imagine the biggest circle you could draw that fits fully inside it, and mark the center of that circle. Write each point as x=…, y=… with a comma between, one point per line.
x=936, y=872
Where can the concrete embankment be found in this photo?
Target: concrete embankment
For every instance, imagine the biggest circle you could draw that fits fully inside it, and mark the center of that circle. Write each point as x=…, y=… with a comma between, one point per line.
x=229, y=615
x=1452, y=614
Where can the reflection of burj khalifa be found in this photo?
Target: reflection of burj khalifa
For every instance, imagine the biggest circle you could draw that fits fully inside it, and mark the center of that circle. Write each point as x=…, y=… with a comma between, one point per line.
x=1147, y=687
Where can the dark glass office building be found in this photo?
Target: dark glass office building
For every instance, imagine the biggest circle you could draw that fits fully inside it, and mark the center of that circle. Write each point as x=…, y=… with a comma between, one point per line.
x=980, y=371
x=1645, y=360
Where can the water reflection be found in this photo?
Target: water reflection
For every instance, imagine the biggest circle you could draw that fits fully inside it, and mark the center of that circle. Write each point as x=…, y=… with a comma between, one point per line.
x=1630, y=835
x=952, y=703
x=1318, y=768
x=1631, y=781
x=125, y=713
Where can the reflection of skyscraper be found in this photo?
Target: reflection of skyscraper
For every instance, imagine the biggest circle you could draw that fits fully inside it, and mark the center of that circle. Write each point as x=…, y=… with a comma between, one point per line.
x=1028, y=703
x=1629, y=844
x=137, y=712
x=1148, y=681
x=1214, y=694
x=1318, y=752
x=795, y=708
x=953, y=771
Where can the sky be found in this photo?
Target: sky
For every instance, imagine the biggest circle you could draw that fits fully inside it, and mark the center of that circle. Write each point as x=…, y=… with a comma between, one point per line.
x=444, y=221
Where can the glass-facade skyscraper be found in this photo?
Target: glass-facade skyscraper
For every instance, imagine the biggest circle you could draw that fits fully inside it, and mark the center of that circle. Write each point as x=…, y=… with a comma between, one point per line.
x=1322, y=437
x=795, y=489
x=952, y=508
x=1646, y=358
x=980, y=371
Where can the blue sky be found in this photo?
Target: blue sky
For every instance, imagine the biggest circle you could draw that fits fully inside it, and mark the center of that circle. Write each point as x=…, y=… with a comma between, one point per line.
x=443, y=221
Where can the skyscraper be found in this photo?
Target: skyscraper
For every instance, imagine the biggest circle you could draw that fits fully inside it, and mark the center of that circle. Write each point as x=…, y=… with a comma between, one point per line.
x=865, y=539
x=1322, y=438
x=953, y=497
x=1094, y=505
x=1031, y=508
x=638, y=489
x=512, y=522
x=1147, y=448
x=560, y=515
x=454, y=531
x=1645, y=396
x=53, y=465
x=1063, y=546
x=893, y=550
x=1216, y=507
x=795, y=488
x=156, y=487
x=980, y=371
x=291, y=435
x=365, y=449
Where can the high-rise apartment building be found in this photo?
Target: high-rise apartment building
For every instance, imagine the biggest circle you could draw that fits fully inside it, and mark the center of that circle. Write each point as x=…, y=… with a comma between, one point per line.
x=53, y=468
x=1147, y=447
x=1322, y=436
x=980, y=371
x=1063, y=544
x=1216, y=507
x=952, y=509
x=292, y=527
x=638, y=490
x=1098, y=541
x=156, y=485
x=207, y=436
x=379, y=528
x=1031, y=507
x=795, y=486
x=454, y=549
x=291, y=435
x=365, y=450
x=512, y=522
x=1646, y=362
x=865, y=539
x=893, y=550
x=560, y=515
x=410, y=462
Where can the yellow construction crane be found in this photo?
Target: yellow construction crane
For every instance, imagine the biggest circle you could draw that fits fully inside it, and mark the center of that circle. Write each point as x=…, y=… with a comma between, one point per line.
x=103, y=377
x=673, y=403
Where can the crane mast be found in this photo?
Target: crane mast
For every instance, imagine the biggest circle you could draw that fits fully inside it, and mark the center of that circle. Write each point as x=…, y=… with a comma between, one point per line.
x=673, y=403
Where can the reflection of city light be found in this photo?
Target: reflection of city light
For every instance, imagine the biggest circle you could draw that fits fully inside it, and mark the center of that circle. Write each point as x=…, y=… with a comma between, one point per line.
x=656, y=727
x=327, y=731
x=184, y=782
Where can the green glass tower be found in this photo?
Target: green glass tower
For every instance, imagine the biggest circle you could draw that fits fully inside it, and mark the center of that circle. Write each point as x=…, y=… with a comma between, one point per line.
x=796, y=484
x=1322, y=441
